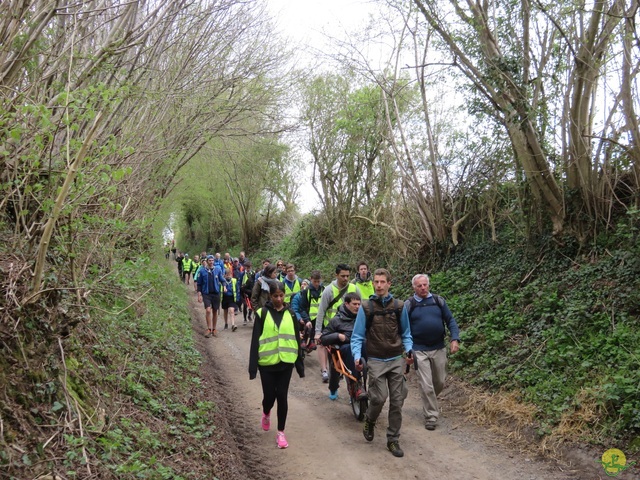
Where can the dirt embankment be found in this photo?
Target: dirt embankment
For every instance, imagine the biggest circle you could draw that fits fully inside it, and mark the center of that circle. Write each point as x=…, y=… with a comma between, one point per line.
x=326, y=441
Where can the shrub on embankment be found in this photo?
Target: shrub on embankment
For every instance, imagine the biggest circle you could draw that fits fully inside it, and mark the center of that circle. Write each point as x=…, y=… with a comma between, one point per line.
x=115, y=395
x=559, y=327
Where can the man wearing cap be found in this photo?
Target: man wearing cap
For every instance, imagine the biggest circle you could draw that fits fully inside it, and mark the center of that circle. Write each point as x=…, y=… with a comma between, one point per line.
x=209, y=284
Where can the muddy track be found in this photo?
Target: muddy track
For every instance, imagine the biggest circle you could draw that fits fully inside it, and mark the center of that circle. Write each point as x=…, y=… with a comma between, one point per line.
x=326, y=441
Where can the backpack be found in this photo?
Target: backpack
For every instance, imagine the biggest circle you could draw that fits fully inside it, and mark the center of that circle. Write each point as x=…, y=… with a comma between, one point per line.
x=397, y=307
x=439, y=301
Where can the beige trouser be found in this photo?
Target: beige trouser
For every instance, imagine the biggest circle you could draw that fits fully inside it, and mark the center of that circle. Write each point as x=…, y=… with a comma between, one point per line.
x=386, y=379
x=432, y=372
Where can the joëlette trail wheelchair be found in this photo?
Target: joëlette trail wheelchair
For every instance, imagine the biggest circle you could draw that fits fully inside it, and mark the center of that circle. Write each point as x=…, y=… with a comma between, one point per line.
x=357, y=390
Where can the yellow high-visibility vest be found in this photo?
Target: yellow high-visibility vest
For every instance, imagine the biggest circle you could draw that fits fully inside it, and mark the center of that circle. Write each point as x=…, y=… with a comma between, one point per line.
x=277, y=344
x=331, y=312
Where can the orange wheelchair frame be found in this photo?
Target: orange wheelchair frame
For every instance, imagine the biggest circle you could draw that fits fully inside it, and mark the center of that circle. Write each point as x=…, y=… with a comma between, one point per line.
x=359, y=407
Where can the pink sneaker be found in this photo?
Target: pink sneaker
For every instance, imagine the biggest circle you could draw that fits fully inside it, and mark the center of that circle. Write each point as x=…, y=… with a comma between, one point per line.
x=266, y=422
x=281, y=440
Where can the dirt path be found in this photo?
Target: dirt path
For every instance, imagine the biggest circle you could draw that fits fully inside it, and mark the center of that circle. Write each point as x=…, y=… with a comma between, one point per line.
x=326, y=441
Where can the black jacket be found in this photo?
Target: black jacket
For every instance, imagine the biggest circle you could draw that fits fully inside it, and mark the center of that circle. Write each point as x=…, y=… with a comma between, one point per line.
x=342, y=323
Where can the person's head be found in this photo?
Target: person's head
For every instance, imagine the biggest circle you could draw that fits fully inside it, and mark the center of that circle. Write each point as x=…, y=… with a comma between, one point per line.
x=186, y=255
x=241, y=256
x=276, y=292
x=196, y=258
x=343, y=272
x=203, y=255
x=265, y=262
x=420, y=284
x=316, y=279
x=304, y=284
x=247, y=266
x=203, y=260
x=280, y=265
x=236, y=262
x=227, y=257
x=270, y=271
x=363, y=269
x=210, y=260
x=381, y=282
x=290, y=269
x=352, y=302
x=217, y=255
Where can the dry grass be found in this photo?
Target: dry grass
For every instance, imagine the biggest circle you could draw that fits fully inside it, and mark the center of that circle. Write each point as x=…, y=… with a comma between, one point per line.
x=507, y=415
x=576, y=423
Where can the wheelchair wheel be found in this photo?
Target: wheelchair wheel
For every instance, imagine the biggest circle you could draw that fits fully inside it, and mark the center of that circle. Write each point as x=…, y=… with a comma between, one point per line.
x=359, y=407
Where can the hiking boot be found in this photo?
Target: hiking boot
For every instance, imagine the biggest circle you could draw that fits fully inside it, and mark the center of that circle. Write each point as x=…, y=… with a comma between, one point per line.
x=368, y=430
x=311, y=347
x=208, y=334
x=226, y=325
x=266, y=422
x=394, y=448
x=333, y=394
x=234, y=328
x=325, y=376
x=430, y=425
x=281, y=440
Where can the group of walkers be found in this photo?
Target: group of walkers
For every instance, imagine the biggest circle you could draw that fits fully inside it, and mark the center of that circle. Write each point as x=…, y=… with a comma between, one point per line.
x=222, y=284
x=359, y=316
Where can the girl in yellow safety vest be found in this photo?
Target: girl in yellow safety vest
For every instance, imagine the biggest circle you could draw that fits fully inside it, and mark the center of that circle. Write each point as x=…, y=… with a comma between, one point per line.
x=275, y=350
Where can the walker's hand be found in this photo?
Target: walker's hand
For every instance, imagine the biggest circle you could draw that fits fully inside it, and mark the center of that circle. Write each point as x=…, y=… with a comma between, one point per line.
x=409, y=358
x=455, y=346
x=359, y=365
x=317, y=337
x=199, y=298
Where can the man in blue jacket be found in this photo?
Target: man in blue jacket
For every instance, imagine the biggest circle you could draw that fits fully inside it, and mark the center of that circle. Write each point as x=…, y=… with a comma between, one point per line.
x=428, y=314
x=209, y=287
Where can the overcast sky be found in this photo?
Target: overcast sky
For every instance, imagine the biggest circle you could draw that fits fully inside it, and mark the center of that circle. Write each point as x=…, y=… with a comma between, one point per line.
x=307, y=22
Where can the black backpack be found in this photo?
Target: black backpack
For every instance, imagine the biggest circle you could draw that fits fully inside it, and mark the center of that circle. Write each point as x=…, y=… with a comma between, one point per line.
x=439, y=301
x=396, y=307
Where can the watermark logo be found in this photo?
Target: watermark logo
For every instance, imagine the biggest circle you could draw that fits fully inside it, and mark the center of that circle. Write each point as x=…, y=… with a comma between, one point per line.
x=614, y=462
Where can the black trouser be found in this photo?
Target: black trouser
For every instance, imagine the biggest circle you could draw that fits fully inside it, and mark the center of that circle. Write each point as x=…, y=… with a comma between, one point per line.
x=275, y=386
x=244, y=307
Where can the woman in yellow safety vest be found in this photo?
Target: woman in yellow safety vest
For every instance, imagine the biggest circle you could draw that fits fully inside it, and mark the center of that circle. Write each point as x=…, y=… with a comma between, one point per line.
x=275, y=350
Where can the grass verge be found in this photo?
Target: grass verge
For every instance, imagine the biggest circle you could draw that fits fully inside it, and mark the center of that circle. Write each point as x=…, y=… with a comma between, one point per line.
x=121, y=396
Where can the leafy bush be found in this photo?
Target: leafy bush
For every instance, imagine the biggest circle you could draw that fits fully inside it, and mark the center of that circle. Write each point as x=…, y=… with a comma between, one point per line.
x=560, y=331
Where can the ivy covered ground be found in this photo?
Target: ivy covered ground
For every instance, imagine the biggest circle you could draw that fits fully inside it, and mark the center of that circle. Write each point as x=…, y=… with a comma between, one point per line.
x=558, y=325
